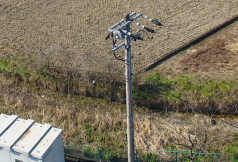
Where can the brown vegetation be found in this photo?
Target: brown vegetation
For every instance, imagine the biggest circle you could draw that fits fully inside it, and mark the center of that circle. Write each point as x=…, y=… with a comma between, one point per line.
x=86, y=120
x=59, y=44
x=214, y=58
x=39, y=27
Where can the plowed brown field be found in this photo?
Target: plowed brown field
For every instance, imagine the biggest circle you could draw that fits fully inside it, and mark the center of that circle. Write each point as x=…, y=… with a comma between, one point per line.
x=41, y=28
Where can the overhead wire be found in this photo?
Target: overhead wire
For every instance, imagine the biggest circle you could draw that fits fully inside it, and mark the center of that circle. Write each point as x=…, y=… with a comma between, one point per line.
x=152, y=31
x=200, y=111
x=184, y=101
x=227, y=123
x=113, y=45
x=117, y=57
x=198, y=108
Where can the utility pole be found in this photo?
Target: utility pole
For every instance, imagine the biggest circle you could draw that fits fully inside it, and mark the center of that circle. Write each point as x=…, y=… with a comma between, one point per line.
x=129, y=104
x=122, y=31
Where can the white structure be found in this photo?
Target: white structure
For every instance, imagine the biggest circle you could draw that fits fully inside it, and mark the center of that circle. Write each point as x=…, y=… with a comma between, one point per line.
x=26, y=141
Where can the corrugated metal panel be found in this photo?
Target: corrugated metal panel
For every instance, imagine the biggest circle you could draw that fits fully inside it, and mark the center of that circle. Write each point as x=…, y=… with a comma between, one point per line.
x=6, y=121
x=31, y=138
x=45, y=145
x=14, y=132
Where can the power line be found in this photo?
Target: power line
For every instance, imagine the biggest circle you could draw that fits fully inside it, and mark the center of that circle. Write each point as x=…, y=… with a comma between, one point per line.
x=228, y=123
x=198, y=109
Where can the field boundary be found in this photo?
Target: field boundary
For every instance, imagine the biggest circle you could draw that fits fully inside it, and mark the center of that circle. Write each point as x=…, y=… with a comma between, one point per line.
x=177, y=49
x=97, y=153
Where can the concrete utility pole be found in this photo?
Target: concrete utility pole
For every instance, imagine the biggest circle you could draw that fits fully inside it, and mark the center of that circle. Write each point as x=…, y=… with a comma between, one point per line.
x=122, y=31
x=129, y=104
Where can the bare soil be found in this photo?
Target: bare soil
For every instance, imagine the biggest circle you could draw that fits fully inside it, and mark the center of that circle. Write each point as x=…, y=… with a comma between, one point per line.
x=41, y=28
x=215, y=57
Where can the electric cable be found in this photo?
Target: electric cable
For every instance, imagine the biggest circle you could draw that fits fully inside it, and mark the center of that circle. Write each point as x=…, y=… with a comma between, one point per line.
x=228, y=123
x=108, y=36
x=113, y=43
x=136, y=37
x=186, y=102
x=146, y=34
x=117, y=57
x=198, y=109
x=94, y=80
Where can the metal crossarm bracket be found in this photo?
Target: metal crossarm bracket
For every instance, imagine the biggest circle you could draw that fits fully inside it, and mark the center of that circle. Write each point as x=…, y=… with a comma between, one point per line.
x=120, y=22
x=119, y=28
x=121, y=45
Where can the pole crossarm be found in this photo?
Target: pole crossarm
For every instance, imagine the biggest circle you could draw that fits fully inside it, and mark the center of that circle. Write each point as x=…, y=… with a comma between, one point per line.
x=131, y=20
x=120, y=22
x=121, y=45
x=119, y=29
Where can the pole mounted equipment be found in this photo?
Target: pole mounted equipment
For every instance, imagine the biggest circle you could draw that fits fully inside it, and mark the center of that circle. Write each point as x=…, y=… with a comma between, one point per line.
x=156, y=22
x=148, y=29
x=121, y=30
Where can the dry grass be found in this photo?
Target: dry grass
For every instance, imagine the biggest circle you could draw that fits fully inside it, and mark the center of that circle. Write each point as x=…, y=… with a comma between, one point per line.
x=86, y=120
x=214, y=58
x=40, y=28
x=70, y=34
